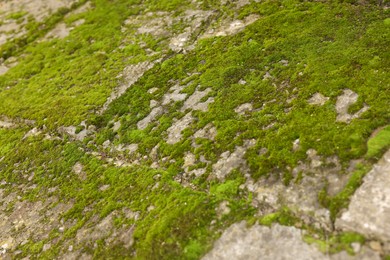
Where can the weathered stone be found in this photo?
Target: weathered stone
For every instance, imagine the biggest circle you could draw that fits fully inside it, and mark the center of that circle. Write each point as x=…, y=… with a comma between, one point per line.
x=174, y=132
x=193, y=102
x=317, y=99
x=260, y=242
x=230, y=161
x=343, y=103
x=242, y=109
x=208, y=132
x=231, y=27
x=174, y=95
x=157, y=111
x=369, y=210
x=275, y=242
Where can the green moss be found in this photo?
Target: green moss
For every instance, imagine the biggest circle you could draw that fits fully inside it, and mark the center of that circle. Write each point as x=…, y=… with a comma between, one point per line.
x=284, y=217
x=65, y=81
x=336, y=243
x=16, y=15
x=378, y=143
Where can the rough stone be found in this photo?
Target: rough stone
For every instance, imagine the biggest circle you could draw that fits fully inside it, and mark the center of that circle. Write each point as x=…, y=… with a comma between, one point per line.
x=193, y=102
x=259, y=242
x=343, y=103
x=157, y=111
x=318, y=99
x=242, y=109
x=3, y=69
x=174, y=95
x=275, y=242
x=194, y=20
x=369, y=210
x=223, y=209
x=174, y=132
x=229, y=161
x=78, y=169
x=6, y=124
x=231, y=27
x=32, y=132
x=208, y=132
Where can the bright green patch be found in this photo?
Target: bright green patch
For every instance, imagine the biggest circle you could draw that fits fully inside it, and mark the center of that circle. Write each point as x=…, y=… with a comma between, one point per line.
x=378, y=143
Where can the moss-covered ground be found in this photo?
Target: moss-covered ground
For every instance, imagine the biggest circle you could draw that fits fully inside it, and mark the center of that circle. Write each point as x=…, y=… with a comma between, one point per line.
x=329, y=46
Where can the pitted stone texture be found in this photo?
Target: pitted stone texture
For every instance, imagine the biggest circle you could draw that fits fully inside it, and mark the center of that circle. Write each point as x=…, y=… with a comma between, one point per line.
x=193, y=102
x=272, y=243
x=155, y=24
x=208, y=132
x=62, y=30
x=157, y=111
x=174, y=95
x=12, y=28
x=317, y=99
x=71, y=131
x=369, y=210
x=242, y=109
x=301, y=196
x=261, y=242
x=174, y=132
x=3, y=69
x=7, y=124
x=232, y=27
x=343, y=103
x=27, y=221
x=194, y=19
x=230, y=161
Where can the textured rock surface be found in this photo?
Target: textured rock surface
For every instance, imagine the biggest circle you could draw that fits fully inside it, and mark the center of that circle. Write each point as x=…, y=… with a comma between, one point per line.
x=269, y=243
x=369, y=210
x=343, y=103
x=146, y=129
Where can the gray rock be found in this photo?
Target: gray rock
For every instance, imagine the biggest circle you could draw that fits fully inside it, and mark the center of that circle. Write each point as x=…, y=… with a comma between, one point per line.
x=317, y=99
x=343, y=103
x=174, y=132
x=369, y=210
x=261, y=242
x=270, y=243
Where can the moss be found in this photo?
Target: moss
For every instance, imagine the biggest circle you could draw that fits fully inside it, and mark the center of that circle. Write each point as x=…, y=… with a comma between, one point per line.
x=336, y=243
x=341, y=200
x=284, y=217
x=337, y=46
x=378, y=143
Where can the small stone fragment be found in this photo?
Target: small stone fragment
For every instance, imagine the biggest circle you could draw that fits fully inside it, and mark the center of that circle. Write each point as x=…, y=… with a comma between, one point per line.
x=318, y=99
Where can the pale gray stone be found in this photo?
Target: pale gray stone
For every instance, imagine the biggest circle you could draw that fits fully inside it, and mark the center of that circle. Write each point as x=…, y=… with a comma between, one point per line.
x=261, y=242
x=174, y=132
x=343, y=103
x=317, y=99
x=369, y=210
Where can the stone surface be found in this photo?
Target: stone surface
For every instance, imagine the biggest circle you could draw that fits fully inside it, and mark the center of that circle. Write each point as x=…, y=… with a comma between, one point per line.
x=208, y=132
x=317, y=99
x=157, y=111
x=193, y=102
x=242, y=109
x=260, y=242
x=343, y=103
x=230, y=161
x=275, y=242
x=174, y=131
x=3, y=69
x=231, y=27
x=369, y=210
